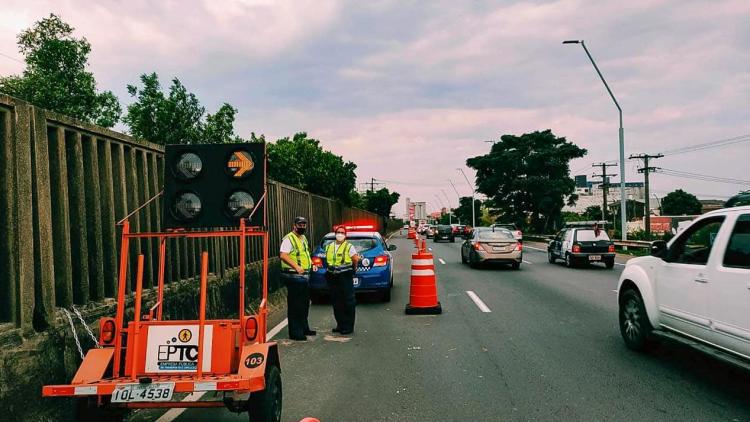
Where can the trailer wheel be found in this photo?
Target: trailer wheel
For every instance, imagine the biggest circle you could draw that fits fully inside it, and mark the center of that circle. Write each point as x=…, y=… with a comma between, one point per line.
x=265, y=406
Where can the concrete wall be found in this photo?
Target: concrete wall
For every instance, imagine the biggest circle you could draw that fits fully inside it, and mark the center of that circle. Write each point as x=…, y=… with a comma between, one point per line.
x=64, y=184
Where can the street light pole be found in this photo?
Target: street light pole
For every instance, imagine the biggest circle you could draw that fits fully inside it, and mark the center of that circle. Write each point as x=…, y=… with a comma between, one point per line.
x=450, y=211
x=458, y=205
x=473, y=191
x=623, y=210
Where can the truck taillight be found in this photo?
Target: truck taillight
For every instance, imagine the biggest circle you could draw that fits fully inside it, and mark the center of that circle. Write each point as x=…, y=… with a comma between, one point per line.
x=317, y=261
x=576, y=248
x=611, y=248
x=380, y=261
x=251, y=328
x=107, y=331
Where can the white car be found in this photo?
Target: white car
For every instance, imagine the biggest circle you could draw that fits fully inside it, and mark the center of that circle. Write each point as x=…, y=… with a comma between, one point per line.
x=695, y=289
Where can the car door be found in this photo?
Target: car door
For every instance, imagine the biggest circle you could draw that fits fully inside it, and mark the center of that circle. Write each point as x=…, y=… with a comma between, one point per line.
x=556, y=242
x=682, y=283
x=567, y=243
x=729, y=278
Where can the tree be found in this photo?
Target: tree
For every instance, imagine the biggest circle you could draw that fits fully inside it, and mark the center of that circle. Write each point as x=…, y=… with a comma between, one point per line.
x=56, y=78
x=302, y=163
x=594, y=213
x=527, y=177
x=177, y=118
x=380, y=201
x=680, y=202
x=463, y=212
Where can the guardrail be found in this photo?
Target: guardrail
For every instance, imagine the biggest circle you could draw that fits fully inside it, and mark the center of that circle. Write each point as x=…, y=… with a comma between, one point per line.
x=639, y=244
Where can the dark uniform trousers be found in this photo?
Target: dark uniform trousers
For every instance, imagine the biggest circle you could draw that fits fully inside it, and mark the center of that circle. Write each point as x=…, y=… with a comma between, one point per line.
x=297, y=302
x=342, y=298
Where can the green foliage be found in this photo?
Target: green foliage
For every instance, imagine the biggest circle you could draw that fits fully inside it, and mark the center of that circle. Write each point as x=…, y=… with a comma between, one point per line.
x=380, y=201
x=56, y=78
x=302, y=163
x=527, y=178
x=177, y=118
x=594, y=212
x=680, y=202
x=568, y=216
x=634, y=209
x=463, y=212
x=742, y=198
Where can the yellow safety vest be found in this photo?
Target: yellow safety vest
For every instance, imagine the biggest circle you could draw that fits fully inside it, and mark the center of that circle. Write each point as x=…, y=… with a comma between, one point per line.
x=340, y=259
x=300, y=252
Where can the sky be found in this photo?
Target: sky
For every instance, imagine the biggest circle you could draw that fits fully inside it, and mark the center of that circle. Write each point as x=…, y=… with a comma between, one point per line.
x=408, y=90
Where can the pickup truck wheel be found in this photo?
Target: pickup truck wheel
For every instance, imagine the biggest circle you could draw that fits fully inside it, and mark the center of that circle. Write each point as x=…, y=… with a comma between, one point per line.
x=265, y=406
x=551, y=257
x=634, y=324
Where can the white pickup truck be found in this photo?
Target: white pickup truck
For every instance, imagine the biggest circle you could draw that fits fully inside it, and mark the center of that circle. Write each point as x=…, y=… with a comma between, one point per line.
x=695, y=289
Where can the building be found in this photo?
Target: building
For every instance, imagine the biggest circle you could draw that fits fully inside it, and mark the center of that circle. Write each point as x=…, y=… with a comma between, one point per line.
x=591, y=194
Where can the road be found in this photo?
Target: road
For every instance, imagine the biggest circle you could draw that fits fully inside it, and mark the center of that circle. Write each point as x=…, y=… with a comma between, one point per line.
x=549, y=349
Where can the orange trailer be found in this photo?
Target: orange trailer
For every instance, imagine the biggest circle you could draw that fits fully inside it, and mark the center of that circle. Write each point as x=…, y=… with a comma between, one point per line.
x=147, y=362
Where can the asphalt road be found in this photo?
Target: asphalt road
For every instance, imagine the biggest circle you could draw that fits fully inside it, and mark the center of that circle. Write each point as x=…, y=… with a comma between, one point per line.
x=548, y=350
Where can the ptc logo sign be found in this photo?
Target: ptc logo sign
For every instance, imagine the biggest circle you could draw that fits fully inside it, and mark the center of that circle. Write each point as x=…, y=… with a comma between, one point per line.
x=175, y=348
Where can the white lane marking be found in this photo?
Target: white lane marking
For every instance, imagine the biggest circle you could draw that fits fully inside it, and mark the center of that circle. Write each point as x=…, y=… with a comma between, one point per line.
x=172, y=414
x=617, y=263
x=429, y=249
x=481, y=305
x=533, y=248
x=526, y=262
x=441, y=261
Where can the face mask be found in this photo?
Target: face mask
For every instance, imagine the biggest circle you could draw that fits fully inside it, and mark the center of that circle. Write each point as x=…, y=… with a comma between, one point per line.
x=300, y=230
x=340, y=237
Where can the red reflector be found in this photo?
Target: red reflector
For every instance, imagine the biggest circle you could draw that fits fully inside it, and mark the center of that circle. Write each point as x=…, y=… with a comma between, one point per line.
x=611, y=248
x=107, y=331
x=227, y=385
x=251, y=328
x=576, y=248
x=380, y=261
x=63, y=391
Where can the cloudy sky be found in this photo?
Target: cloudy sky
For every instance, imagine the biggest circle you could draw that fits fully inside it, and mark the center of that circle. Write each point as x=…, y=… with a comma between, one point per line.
x=408, y=90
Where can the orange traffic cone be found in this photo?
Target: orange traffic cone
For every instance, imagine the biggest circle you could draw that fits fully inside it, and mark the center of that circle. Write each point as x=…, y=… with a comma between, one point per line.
x=411, y=234
x=423, y=290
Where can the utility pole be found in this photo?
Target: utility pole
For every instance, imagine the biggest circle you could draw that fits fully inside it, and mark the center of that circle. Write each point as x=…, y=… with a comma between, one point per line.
x=646, y=170
x=450, y=211
x=605, y=184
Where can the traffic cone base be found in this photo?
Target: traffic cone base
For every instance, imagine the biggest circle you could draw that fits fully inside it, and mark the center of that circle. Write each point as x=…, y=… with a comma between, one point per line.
x=431, y=310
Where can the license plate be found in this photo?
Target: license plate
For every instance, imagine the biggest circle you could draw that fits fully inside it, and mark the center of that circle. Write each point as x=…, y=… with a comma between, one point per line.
x=129, y=393
x=356, y=281
x=595, y=257
x=498, y=249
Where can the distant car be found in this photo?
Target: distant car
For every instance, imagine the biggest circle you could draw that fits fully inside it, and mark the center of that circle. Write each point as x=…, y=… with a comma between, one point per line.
x=495, y=245
x=430, y=232
x=374, y=273
x=406, y=226
x=518, y=234
x=579, y=245
x=444, y=232
x=693, y=289
x=467, y=231
x=460, y=230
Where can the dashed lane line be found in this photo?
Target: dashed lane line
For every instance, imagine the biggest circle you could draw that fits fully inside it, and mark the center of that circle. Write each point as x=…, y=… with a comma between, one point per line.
x=441, y=261
x=481, y=305
x=172, y=414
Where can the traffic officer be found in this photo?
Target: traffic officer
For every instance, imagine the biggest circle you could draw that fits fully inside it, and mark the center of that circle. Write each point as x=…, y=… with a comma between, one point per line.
x=295, y=272
x=342, y=260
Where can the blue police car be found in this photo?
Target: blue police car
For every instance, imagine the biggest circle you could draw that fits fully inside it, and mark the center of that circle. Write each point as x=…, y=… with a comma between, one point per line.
x=375, y=271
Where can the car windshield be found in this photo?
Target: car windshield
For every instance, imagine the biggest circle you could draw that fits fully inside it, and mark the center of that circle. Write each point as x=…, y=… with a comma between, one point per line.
x=361, y=244
x=495, y=235
x=588, y=235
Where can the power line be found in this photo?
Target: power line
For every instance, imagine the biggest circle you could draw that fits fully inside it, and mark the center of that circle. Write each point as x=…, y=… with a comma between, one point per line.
x=703, y=177
x=708, y=145
x=11, y=58
x=605, y=183
x=398, y=182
